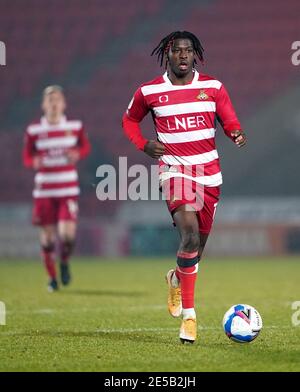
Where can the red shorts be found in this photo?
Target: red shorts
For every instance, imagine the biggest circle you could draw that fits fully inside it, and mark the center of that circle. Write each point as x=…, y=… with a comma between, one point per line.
x=204, y=204
x=51, y=210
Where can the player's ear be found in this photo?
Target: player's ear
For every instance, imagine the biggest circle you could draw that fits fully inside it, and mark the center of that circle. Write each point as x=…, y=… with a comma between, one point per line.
x=167, y=61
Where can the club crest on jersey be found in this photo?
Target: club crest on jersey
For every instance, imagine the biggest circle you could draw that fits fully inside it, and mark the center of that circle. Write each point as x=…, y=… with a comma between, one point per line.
x=173, y=169
x=202, y=95
x=173, y=199
x=68, y=133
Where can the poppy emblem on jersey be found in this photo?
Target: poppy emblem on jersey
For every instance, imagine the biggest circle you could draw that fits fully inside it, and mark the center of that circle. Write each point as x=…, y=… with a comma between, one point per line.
x=163, y=98
x=202, y=95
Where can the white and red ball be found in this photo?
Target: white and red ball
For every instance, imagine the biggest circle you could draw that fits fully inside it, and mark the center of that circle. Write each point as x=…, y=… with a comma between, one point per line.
x=242, y=323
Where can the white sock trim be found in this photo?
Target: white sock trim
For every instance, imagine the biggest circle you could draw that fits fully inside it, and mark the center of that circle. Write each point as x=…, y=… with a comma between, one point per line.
x=189, y=273
x=188, y=313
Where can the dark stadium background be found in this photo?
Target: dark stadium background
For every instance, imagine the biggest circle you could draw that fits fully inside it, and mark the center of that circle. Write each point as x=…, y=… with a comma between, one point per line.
x=113, y=317
x=99, y=51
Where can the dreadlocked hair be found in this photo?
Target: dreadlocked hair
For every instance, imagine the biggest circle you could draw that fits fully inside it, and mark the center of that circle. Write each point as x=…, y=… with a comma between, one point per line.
x=163, y=47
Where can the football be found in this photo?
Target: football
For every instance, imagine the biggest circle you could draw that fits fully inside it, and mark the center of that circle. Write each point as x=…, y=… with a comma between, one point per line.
x=242, y=323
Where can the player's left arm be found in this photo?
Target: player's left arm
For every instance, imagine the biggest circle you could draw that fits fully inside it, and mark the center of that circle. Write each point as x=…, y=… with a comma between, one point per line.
x=228, y=118
x=30, y=157
x=82, y=149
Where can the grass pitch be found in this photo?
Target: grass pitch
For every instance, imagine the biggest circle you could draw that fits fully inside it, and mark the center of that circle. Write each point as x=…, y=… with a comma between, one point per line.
x=113, y=317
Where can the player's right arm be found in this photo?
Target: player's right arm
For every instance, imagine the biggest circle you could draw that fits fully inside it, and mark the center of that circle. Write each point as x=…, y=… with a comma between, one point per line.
x=30, y=157
x=82, y=149
x=135, y=113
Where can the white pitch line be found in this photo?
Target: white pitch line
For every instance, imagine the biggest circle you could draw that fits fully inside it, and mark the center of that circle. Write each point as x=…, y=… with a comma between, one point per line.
x=116, y=330
x=49, y=311
x=200, y=327
x=34, y=311
x=132, y=330
x=44, y=311
x=126, y=330
x=137, y=330
x=76, y=310
x=154, y=307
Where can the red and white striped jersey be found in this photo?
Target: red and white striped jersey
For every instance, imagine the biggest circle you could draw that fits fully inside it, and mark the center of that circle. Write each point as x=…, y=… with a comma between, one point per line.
x=185, y=122
x=57, y=177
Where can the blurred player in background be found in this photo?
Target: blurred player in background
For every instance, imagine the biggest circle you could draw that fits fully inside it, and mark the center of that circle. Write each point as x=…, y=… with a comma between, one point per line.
x=185, y=106
x=53, y=146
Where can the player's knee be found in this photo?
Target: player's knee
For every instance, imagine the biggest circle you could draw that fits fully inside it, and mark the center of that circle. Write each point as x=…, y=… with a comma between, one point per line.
x=67, y=238
x=67, y=245
x=48, y=247
x=47, y=238
x=190, y=242
x=187, y=255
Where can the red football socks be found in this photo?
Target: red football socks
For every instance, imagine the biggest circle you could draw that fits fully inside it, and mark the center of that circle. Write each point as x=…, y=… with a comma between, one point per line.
x=66, y=249
x=187, y=277
x=49, y=262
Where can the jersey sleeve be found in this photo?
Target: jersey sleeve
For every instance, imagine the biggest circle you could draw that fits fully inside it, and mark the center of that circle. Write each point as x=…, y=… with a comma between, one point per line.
x=137, y=108
x=225, y=112
x=83, y=143
x=28, y=150
x=133, y=132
